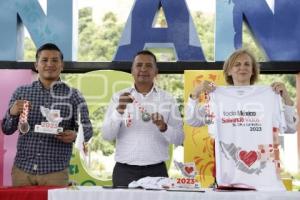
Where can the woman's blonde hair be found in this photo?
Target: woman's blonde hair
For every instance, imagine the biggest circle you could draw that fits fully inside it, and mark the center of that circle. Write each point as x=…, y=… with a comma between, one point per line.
x=228, y=64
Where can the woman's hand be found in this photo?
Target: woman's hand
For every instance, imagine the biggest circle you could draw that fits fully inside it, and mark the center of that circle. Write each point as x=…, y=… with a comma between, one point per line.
x=280, y=88
x=204, y=86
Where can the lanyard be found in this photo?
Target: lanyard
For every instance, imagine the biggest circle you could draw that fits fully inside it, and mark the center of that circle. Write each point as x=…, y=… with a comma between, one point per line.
x=146, y=116
x=209, y=115
x=23, y=121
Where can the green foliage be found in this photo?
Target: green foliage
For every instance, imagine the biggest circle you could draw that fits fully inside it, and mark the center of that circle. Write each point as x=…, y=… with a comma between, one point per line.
x=85, y=17
x=173, y=83
x=29, y=50
x=99, y=42
x=288, y=79
x=205, y=28
x=97, y=143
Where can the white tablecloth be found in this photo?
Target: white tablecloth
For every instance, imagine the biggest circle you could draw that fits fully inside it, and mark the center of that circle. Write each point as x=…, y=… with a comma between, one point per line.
x=98, y=193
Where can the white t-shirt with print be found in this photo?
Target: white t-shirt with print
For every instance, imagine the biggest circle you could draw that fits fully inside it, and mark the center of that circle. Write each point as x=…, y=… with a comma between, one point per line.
x=244, y=119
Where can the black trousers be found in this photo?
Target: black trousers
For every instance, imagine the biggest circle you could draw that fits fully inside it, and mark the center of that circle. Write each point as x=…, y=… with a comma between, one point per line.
x=123, y=174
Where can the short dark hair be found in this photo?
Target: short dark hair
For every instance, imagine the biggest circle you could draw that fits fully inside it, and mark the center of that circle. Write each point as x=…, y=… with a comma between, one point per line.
x=48, y=46
x=145, y=52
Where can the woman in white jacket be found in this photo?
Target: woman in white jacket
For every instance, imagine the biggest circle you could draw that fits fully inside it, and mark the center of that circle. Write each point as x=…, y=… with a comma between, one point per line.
x=240, y=69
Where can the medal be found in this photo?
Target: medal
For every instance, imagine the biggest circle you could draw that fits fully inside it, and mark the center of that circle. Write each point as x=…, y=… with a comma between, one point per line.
x=146, y=116
x=23, y=125
x=209, y=116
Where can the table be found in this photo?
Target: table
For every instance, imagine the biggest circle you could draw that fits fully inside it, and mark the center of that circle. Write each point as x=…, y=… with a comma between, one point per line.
x=25, y=193
x=98, y=193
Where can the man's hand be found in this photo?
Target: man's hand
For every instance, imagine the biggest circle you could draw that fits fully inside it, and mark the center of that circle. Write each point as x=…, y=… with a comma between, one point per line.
x=158, y=120
x=124, y=99
x=67, y=136
x=17, y=107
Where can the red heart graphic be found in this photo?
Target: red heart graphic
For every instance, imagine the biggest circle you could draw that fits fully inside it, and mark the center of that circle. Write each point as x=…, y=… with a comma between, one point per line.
x=189, y=169
x=248, y=157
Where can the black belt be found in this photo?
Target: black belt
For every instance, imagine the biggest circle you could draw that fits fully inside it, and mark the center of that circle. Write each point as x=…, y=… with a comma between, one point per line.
x=141, y=166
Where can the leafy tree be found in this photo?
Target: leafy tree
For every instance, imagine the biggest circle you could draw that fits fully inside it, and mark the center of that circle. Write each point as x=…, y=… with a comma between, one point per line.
x=288, y=79
x=205, y=28
x=29, y=50
x=85, y=17
x=99, y=42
